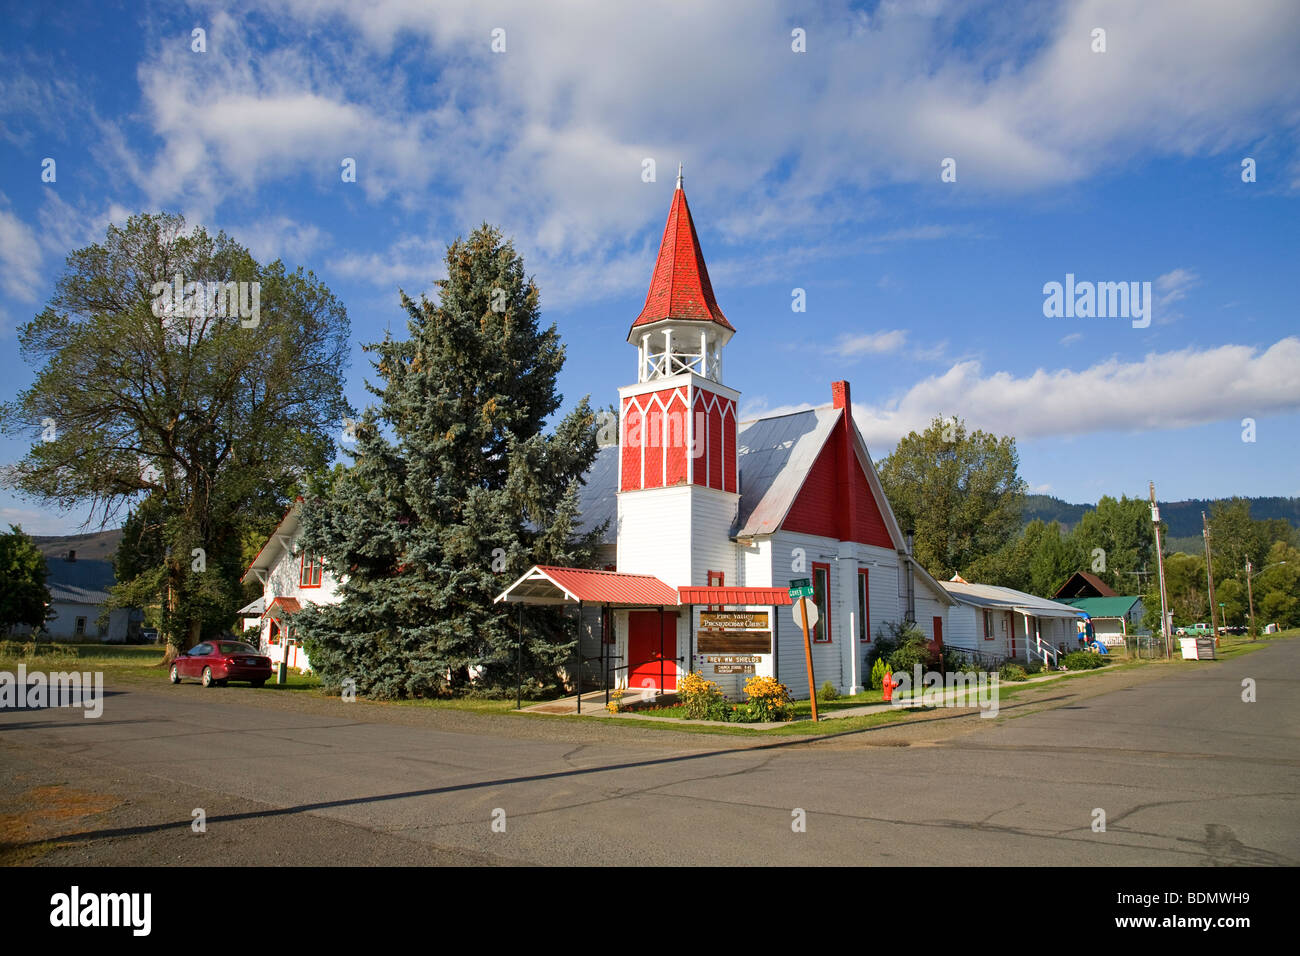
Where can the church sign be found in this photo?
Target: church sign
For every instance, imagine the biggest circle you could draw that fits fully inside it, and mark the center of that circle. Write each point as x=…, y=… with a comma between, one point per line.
x=733, y=620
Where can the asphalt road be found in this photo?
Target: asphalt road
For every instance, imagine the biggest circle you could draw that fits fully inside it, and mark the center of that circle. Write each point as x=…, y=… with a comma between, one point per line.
x=1186, y=773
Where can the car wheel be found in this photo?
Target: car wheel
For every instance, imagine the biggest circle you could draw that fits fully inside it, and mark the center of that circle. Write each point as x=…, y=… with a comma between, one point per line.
x=207, y=677
x=176, y=674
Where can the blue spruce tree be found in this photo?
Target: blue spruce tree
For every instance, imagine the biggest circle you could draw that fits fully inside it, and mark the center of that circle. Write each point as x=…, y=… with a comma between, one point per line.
x=456, y=489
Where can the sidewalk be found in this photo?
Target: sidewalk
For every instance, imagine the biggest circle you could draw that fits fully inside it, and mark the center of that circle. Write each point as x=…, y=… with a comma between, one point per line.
x=593, y=705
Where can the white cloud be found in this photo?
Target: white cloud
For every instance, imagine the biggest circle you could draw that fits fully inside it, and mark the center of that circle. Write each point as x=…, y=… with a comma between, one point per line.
x=1072, y=338
x=20, y=255
x=279, y=237
x=1113, y=395
x=410, y=262
x=870, y=343
x=1173, y=285
x=526, y=139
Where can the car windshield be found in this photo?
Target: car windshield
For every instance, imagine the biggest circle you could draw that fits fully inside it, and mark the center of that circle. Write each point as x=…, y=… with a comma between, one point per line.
x=230, y=647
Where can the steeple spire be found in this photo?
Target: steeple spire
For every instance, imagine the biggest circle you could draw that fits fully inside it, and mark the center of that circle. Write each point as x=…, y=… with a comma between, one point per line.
x=680, y=289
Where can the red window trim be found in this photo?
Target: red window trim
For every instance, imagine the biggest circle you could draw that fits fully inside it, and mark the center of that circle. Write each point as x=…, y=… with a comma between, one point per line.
x=826, y=619
x=865, y=574
x=308, y=571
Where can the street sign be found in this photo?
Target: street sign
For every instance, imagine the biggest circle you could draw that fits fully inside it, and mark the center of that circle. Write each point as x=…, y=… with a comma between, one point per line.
x=800, y=588
x=805, y=606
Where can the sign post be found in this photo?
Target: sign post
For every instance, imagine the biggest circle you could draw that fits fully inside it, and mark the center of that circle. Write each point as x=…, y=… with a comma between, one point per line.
x=805, y=612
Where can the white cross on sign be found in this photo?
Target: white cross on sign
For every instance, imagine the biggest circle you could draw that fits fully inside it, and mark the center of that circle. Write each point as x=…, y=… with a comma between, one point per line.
x=805, y=606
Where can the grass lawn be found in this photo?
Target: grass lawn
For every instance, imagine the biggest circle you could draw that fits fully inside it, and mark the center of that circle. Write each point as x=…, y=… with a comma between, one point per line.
x=131, y=662
x=124, y=660
x=142, y=663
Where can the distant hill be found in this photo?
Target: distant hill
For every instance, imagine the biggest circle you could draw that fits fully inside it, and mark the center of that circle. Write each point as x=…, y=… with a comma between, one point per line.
x=1182, y=517
x=1049, y=509
x=98, y=546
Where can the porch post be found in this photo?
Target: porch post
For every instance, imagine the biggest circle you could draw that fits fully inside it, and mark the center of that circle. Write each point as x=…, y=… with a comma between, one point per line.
x=577, y=630
x=519, y=662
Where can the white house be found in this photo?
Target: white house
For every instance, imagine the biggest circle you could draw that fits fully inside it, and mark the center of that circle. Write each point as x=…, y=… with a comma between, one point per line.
x=1006, y=624
x=289, y=580
x=78, y=592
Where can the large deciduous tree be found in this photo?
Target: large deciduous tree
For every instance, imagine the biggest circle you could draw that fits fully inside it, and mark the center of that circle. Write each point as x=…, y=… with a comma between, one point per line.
x=176, y=370
x=1038, y=561
x=1118, y=539
x=960, y=492
x=457, y=488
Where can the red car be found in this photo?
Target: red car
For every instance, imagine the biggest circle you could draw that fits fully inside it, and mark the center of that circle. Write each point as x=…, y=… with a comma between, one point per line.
x=216, y=662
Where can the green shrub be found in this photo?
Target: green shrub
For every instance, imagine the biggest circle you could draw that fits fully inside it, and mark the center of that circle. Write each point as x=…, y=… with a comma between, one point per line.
x=909, y=647
x=1034, y=667
x=878, y=674
x=720, y=709
x=828, y=692
x=1082, y=661
x=1010, y=671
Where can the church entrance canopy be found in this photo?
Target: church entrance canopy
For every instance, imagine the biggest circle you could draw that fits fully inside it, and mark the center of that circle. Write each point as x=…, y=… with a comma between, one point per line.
x=550, y=585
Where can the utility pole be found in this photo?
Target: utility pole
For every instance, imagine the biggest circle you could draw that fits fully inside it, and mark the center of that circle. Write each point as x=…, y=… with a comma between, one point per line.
x=1209, y=575
x=1160, y=559
x=1251, y=595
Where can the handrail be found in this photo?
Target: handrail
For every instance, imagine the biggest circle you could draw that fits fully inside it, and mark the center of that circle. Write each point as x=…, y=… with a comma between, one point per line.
x=1049, y=653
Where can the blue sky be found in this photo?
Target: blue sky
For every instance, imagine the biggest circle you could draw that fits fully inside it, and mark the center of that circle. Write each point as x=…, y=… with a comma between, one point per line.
x=817, y=170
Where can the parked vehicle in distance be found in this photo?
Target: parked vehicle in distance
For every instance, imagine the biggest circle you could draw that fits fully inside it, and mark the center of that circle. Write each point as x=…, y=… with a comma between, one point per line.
x=220, y=661
x=149, y=635
x=1194, y=630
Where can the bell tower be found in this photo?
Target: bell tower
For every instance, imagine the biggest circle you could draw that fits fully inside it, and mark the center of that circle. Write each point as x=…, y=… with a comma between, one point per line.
x=678, y=476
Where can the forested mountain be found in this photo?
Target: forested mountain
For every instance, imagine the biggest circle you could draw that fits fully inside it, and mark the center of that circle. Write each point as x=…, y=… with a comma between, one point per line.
x=1183, y=518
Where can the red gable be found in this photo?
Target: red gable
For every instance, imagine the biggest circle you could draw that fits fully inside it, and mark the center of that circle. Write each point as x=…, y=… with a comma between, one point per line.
x=836, y=501
x=680, y=287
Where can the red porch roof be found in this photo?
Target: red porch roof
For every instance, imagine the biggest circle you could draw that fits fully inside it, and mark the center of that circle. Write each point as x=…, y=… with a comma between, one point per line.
x=290, y=605
x=548, y=584
x=734, y=595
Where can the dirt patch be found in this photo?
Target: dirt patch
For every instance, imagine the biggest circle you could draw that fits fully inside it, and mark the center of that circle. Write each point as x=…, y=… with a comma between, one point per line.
x=38, y=816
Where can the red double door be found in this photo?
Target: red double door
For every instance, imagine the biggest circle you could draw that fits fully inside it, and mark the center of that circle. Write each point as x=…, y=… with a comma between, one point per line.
x=652, y=651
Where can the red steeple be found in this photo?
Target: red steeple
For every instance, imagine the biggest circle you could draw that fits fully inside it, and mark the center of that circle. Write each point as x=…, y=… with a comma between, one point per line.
x=680, y=287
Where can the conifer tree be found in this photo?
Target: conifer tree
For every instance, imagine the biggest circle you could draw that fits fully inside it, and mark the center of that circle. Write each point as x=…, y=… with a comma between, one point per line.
x=456, y=489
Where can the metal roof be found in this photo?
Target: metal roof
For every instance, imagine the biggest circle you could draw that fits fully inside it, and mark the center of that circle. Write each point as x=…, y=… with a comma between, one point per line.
x=78, y=582
x=548, y=584
x=775, y=455
x=991, y=596
x=1117, y=607
x=598, y=494
x=734, y=595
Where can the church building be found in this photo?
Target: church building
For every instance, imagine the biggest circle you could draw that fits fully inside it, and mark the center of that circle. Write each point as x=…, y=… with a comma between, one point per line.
x=710, y=518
